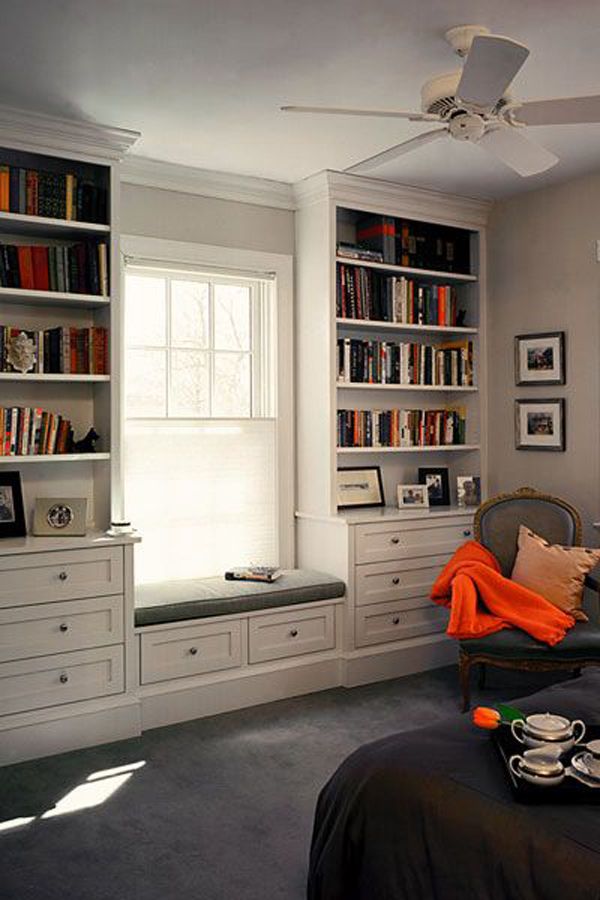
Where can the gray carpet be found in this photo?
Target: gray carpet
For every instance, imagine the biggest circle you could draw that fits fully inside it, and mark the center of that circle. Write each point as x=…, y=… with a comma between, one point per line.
x=222, y=808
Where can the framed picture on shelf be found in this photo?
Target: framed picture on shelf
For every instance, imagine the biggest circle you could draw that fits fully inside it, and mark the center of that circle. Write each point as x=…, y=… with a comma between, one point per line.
x=413, y=496
x=437, y=483
x=12, y=514
x=540, y=424
x=468, y=490
x=540, y=358
x=359, y=487
x=59, y=516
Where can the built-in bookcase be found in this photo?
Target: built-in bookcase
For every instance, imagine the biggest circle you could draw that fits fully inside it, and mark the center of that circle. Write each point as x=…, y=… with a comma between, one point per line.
x=42, y=214
x=433, y=244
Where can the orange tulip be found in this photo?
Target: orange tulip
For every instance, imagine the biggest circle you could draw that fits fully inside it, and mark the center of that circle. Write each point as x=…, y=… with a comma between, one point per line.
x=484, y=717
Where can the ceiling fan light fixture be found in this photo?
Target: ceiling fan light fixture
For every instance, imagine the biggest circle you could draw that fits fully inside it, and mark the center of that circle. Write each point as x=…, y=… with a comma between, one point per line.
x=466, y=126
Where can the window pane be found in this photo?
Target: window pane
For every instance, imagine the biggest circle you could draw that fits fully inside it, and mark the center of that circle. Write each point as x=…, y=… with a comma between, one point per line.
x=189, y=384
x=232, y=317
x=189, y=314
x=231, y=393
x=146, y=383
x=145, y=311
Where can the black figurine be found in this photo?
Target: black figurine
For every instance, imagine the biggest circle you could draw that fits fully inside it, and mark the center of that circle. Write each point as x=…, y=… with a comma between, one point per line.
x=86, y=444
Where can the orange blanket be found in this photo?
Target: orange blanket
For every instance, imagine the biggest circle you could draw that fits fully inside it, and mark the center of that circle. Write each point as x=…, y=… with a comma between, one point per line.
x=482, y=601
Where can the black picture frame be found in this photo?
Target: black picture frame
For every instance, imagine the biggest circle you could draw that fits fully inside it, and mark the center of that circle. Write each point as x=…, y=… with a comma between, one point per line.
x=441, y=497
x=12, y=512
x=556, y=337
x=376, y=487
x=544, y=409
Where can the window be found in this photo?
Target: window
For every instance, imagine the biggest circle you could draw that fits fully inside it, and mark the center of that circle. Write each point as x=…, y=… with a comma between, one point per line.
x=200, y=430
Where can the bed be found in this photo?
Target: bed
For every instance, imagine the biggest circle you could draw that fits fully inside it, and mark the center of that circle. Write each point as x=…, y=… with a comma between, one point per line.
x=428, y=815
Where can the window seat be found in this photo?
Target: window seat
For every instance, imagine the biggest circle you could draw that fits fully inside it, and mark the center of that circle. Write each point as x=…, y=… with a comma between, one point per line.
x=200, y=598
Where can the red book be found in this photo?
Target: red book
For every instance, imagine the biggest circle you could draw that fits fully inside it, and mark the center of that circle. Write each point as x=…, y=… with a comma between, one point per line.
x=40, y=268
x=25, y=267
x=31, y=193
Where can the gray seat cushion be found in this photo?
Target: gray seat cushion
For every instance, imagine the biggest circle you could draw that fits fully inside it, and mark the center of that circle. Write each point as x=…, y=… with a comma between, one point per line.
x=175, y=601
x=581, y=642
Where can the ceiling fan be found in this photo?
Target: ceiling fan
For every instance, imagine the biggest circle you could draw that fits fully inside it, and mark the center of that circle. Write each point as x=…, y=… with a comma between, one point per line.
x=474, y=104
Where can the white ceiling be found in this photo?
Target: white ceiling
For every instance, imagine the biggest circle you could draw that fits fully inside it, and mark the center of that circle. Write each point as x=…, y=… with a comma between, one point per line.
x=203, y=79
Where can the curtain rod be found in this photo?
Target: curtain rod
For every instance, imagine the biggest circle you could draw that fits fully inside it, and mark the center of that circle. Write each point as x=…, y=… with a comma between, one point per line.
x=180, y=266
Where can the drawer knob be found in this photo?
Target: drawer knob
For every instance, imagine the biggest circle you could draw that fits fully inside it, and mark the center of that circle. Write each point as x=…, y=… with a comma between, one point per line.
x=63, y=627
x=395, y=580
x=294, y=632
x=193, y=650
x=395, y=540
x=467, y=532
x=396, y=620
x=63, y=678
x=63, y=576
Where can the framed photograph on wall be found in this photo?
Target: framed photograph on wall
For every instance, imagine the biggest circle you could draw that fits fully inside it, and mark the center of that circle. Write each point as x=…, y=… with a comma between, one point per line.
x=12, y=514
x=437, y=483
x=413, y=496
x=540, y=358
x=359, y=487
x=540, y=424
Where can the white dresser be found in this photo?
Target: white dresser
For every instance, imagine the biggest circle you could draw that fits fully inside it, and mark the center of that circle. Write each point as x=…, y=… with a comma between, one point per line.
x=389, y=559
x=67, y=661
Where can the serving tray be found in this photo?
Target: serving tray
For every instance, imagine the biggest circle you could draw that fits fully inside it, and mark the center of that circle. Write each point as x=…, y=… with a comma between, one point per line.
x=568, y=791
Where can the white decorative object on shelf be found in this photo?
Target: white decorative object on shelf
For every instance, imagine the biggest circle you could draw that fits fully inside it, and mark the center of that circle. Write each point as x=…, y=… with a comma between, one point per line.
x=20, y=353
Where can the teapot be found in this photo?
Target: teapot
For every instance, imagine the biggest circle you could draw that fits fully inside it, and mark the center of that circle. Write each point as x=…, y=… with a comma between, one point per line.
x=541, y=729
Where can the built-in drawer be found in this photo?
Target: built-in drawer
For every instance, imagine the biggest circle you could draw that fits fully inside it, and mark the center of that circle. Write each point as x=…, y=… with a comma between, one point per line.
x=58, y=627
x=62, y=575
x=292, y=633
x=400, y=580
x=392, y=622
x=61, y=678
x=382, y=542
x=193, y=650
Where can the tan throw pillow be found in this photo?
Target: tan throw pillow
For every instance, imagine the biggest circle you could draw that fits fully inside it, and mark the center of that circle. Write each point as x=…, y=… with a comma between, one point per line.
x=555, y=572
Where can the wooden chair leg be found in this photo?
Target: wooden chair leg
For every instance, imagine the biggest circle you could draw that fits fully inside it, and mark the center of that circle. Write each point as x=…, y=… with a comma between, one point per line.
x=481, y=677
x=464, y=665
x=576, y=672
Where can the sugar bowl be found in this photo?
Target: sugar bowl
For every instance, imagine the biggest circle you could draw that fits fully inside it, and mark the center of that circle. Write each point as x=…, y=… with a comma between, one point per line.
x=542, y=729
x=538, y=766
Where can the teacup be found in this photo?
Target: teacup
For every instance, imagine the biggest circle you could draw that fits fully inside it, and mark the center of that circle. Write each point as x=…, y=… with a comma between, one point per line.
x=592, y=758
x=542, y=729
x=538, y=767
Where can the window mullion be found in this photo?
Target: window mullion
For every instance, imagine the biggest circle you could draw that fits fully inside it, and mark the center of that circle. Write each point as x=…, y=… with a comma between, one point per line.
x=168, y=347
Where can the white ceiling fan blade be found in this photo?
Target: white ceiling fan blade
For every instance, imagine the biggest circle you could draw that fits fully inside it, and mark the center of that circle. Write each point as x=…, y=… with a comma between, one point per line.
x=380, y=113
x=490, y=67
x=510, y=146
x=373, y=162
x=563, y=111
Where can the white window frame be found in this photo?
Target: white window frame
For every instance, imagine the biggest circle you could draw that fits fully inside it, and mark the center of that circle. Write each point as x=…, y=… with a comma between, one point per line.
x=217, y=260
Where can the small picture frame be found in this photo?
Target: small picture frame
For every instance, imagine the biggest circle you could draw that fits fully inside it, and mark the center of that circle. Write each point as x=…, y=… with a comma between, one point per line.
x=60, y=517
x=540, y=424
x=413, y=496
x=12, y=511
x=468, y=490
x=437, y=483
x=359, y=487
x=540, y=358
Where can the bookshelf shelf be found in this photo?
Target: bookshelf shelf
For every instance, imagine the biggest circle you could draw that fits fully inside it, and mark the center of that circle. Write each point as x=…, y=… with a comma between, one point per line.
x=51, y=377
x=443, y=389
x=54, y=458
x=41, y=226
x=51, y=298
x=399, y=327
x=424, y=274
x=446, y=448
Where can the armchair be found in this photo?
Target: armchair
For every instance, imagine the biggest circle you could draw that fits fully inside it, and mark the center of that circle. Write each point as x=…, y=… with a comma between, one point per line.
x=496, y=527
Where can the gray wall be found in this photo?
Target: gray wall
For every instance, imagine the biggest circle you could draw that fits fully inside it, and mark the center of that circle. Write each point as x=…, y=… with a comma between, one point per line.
x=175, y=216
x=544, y=277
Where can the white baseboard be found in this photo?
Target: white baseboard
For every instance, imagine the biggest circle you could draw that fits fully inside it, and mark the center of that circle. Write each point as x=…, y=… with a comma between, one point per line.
x=194, y=701
x=92, y=724
x=364, y=668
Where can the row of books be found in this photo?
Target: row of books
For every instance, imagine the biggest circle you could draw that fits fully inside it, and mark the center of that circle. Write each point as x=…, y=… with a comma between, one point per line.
x=370, y=295
x=31, y=431
x=401, y=427
x=34, y=192
x=73, y=268
x=421, y=245
x=449, y=364
x=61, y=350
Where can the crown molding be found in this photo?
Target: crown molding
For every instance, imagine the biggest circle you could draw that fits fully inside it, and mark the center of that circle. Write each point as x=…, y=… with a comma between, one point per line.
x=205, y=183
x=41, y=133
x=388, y=197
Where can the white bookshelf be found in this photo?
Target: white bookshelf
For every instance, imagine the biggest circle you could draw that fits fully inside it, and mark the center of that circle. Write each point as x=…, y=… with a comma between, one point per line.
x=420, y=388
x=424, y=274
x=52, y=298
x=446, y=448
x=402, y=328
x=42, y=226
x=44, y=458
x=51, y=377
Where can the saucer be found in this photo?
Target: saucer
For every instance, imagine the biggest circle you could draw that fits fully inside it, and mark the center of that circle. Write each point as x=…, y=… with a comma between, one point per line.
x=582, y=778
x=580, y=762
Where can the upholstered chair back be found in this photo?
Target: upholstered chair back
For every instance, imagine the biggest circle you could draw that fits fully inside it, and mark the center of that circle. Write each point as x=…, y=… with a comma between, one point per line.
x=497, y=523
